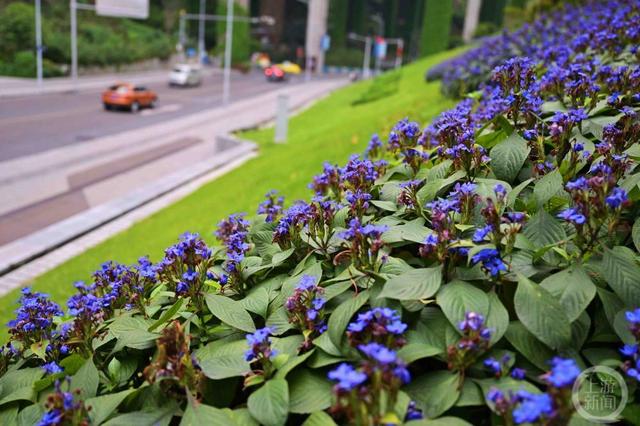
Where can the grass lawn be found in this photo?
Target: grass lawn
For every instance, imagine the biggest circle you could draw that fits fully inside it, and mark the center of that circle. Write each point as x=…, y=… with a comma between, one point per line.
x=330, y=130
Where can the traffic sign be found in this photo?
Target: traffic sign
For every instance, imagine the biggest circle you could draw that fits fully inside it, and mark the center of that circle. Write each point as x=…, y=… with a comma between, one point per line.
x=123, y=8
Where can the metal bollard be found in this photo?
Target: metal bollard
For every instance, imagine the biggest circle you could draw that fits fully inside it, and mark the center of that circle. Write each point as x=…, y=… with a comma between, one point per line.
x=282, y=118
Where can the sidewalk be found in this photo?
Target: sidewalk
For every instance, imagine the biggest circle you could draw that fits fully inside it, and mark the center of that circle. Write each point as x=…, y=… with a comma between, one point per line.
x=104, y=179
x=15, y=86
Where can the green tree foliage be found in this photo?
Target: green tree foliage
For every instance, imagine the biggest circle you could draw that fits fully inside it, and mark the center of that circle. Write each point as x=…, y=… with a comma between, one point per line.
x=338, y=14
x=16, y=29
x=493, y=12
x=241, y=48
x=436, y=25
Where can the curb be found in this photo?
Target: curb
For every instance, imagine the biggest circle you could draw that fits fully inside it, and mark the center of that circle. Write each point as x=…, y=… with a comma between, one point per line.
x=26, y=249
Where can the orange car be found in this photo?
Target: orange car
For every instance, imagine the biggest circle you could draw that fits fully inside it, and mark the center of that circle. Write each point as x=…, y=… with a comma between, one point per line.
x=125, y=95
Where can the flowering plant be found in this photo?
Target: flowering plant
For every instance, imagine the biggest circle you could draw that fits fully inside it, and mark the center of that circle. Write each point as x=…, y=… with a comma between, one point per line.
x=466, y=269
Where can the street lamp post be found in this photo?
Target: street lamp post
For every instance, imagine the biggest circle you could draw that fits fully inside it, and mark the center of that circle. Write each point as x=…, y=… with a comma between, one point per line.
x=74, y=43
x=201, y=30
x=366, y=67
x=226, y=85
x=38, y=43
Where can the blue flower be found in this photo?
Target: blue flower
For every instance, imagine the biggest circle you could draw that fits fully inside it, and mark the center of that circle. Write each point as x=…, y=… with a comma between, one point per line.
x=347, y=377
x=563, y=372
x=51, y=418
x=518, y=373
x=532, y=407
x=481, y=233
x=52, y=368
x=572, y=215
x=633, y=317
x=491, y=261
x=616, y=198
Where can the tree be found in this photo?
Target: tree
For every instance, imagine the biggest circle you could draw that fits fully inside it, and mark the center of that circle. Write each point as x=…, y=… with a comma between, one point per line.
x=16, y=29
x=240, y=51
x=436, y=26
x=338, y=14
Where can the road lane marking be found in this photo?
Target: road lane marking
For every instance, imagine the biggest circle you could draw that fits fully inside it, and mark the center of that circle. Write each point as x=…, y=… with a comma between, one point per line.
x=161, y=110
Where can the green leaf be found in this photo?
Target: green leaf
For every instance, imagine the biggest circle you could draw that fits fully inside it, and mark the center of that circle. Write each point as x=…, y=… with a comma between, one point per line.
x=635, y=234
x=497, y=318
x=132, y=332
x=86, y=379
x=621, y=326
x=579, y=331
x=458, y=297
x=310, y=391
x=270, y=404
x=543, y=229
x=341, y=316
x=220, y=359
x=31, y=415
x=530, y=347
x=230, y=312
x=158, y=417
x=292, y=363
x=415, y=284
x=622, y=273
x=257, y=301
x=200, y=414
x=548, y=186
x=471, y=395
x=572, y=288
x=508, y=157
x=415, y=351
x=168, y=314
x=16, y=385
x=429, y=191
x=103, y=406
x=319, y=418
x=435, y=392
x=279, y=321
x=542, y=314
x=513, y=195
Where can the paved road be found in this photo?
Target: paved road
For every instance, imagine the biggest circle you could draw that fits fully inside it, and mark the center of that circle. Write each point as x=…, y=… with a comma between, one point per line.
x=34, y=124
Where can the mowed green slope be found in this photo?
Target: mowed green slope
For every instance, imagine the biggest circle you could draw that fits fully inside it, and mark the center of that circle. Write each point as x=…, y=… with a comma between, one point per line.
x=330, y=130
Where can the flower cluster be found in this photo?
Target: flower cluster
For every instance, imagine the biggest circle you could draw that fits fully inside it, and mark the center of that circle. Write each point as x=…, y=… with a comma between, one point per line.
x=365, y=244
x=379, y=325
x=501, y=228
x=186, y=264
x=34, y=320
x=174, y=366
x=500, y=367
x=305, y=309
x=552, y=407
x=271, y=206
x=233, y=232
x=474, y=342
x=367, y=394
x=260, y=351
x=631, y=365
x=596, y=202
x=65, y=408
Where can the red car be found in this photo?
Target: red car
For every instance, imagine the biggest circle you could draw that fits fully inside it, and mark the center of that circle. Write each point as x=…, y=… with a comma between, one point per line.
x=128, y=96
x=274, y=73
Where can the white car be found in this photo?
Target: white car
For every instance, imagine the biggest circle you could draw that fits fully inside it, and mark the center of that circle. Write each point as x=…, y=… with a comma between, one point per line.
x=185, y=75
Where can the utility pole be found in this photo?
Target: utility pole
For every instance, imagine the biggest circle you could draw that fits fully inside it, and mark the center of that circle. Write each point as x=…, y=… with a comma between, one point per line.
x=38, y=43
x=226, y=86
x=201, y=48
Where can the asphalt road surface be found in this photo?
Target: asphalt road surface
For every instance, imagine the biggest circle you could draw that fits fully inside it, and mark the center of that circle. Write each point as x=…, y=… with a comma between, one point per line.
x=34, y=124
